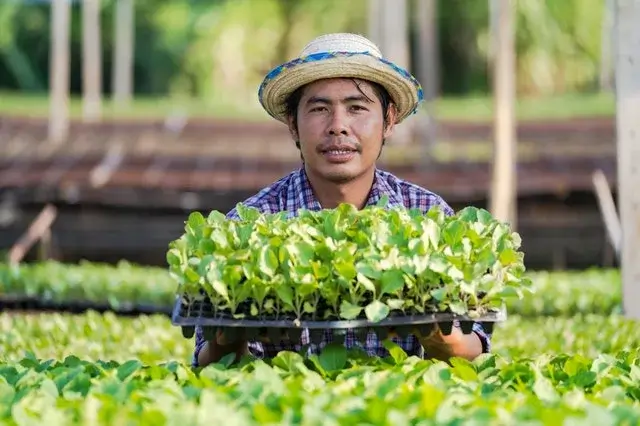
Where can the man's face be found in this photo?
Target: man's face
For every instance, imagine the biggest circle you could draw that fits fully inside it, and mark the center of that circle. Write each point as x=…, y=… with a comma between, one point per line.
x=340, y=130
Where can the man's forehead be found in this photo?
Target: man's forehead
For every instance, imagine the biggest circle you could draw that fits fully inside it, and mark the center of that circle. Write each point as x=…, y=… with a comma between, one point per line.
x=338, y=88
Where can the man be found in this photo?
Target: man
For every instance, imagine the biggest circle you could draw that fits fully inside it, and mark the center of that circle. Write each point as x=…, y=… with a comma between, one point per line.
x=341, y=100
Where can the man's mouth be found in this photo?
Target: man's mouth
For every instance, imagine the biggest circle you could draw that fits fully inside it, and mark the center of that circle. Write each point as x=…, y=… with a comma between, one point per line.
x=338, y=151
x=338, y=155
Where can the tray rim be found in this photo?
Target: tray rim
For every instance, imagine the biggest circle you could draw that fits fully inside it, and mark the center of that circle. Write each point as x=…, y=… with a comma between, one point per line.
x=493, y=316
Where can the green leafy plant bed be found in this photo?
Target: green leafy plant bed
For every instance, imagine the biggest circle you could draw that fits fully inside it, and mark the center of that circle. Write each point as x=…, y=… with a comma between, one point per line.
x=123, y=287
x=369, y=265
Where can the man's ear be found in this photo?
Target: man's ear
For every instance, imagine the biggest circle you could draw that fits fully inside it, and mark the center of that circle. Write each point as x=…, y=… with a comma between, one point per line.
x=392, y=113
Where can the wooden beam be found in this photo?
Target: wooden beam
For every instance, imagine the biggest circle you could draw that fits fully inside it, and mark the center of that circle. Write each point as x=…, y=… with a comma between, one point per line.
x=628, y=123
x=503, y=189
x=37, y=230
x=59, y=72
x=91, y=61
x=102, y=173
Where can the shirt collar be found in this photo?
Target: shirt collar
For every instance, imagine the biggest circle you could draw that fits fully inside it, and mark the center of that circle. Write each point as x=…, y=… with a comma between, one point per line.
x=302, y=192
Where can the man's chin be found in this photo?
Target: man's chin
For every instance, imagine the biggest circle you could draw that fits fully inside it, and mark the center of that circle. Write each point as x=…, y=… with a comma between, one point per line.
x=339, y=176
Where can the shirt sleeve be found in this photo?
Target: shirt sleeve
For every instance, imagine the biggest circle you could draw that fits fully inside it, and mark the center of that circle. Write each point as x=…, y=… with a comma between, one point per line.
x=485, y=337
x=198, y=346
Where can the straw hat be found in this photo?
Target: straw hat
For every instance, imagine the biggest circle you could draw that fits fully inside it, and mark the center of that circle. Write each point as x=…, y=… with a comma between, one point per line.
x=339, y=55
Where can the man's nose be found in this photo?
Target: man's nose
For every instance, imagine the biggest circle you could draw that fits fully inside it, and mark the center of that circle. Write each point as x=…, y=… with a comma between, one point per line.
x=338, y=125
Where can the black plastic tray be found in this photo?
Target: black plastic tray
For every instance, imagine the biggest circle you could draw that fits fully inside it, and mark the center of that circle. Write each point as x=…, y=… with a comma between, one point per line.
x=291, y=330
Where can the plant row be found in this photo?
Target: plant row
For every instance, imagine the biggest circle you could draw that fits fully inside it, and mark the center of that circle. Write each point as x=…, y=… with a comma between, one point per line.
x=346, y=263
x=333, y=388
x=153, y=339
x=120, y=286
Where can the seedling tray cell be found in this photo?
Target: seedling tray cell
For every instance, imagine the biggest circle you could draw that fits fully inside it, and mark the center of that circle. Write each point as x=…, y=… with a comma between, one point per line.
x=188, y=314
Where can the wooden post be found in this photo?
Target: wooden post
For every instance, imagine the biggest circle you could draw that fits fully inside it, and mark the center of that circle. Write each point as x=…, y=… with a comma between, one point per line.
x=628, y=131
x=59, y=72
x=123, y=27
x=606, y=47
x=395, y=32
x=608, y=209
x=91, y=60
x=504, y=186
x=374, y=21
x=426, y=21
x=394, y=44
x=38, y=229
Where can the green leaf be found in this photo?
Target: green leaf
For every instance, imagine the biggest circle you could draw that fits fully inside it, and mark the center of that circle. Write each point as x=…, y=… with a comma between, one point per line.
x=173, y=258
x=289, y=361
x=196, y=220
x=392, y=281
x=246, y=213
x=438, y=263
x=484, y=217
x=206, y=246
x=453, y=232
x=431, y=233
x=543, y=388
x=128, y=368
x=285, y=292
x=396, y=352
x=458, y=307
x=345, y=270
x=349, y=311
x=368, y=270
x=366, y=283
x=383, y=201
x=395, y=303
x=463, y=369
x=333, y=357
x=508, y=256
x=376, y=311
x=268, y=261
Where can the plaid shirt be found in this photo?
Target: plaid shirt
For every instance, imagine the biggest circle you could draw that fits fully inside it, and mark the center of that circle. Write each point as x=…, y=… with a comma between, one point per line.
x=293, y=192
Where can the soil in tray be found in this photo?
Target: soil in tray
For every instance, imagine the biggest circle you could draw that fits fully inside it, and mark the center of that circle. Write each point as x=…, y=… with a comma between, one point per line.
x=204, y=309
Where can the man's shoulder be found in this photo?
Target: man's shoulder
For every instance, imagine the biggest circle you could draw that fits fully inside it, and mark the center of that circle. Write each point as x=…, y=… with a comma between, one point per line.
x=413, y=195
x=269, y=199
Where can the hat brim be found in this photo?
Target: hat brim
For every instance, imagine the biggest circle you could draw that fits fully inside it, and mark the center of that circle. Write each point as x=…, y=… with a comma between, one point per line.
x=283, y=80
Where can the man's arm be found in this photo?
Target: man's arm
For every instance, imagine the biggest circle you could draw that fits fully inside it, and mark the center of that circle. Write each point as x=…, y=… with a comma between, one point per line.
x=212, y=351
x=457, y=344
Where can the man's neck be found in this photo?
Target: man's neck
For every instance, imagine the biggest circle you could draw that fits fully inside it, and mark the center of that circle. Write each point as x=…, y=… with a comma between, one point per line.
x=330, y=195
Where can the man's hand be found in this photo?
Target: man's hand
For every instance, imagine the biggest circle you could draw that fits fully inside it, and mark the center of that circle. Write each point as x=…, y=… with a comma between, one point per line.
x=214, y=350
x=457, y=344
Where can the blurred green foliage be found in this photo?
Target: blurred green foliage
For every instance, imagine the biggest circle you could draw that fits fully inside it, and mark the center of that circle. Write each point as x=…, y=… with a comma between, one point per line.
x=222, y=48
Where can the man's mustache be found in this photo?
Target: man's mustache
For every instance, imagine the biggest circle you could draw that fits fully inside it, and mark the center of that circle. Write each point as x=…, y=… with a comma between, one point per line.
x=338, y=144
